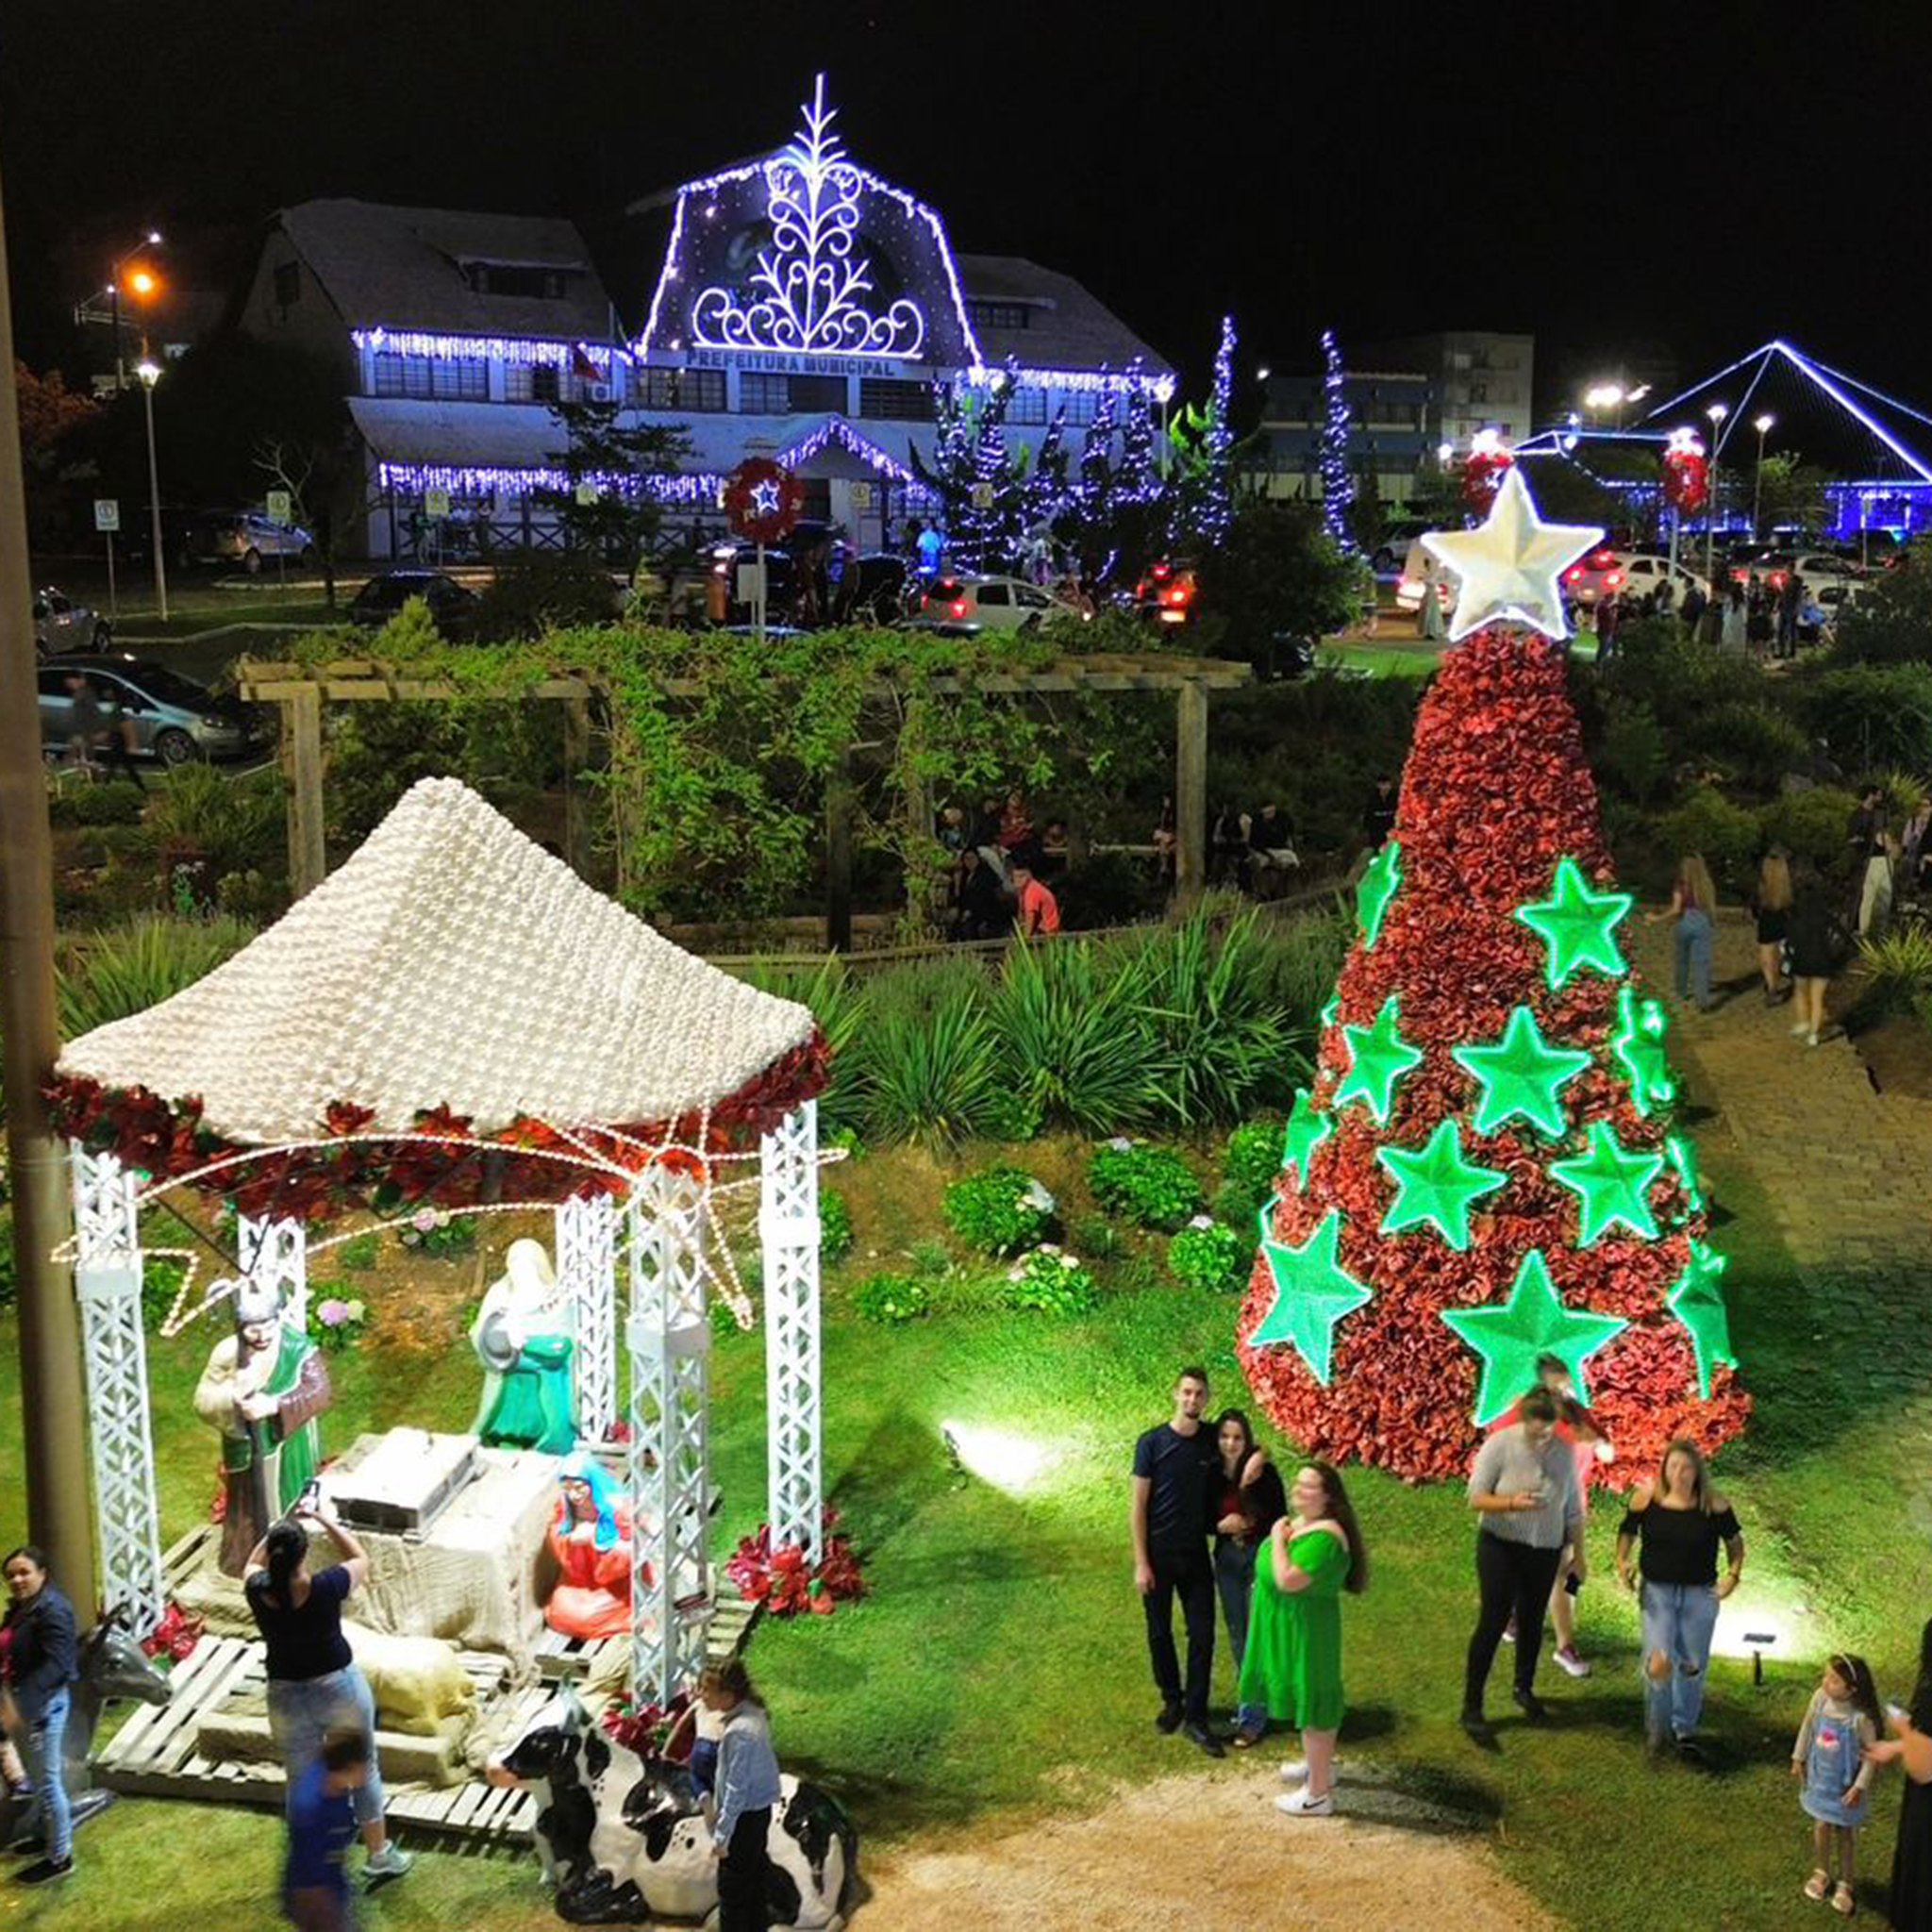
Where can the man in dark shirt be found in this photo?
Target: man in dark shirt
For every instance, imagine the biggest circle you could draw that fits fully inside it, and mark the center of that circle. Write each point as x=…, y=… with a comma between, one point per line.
x=1176, y=1468
x=322, y=1827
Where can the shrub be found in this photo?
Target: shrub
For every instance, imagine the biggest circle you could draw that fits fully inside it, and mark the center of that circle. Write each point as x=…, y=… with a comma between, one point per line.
x=359, y=1250
x=837, y=1003
x=9, y=1283
x=835, y=1226
x=1049, y=1282
x=1634, y=755
x=119, y=804
x=236, y=825
x=1252, y=1157
x=431, y=1231
x=1095, y=1235
x=1725, y=833
x=933, y=1078
x=125, y=969
x=1756, y=743
x=1239, y=1206
x=1900, y=966
x=890, y=1298
x=160, y=1282
x=1207, y=1255
x=1000, y=1210
x=1151, y=1185
x=1810, y=826
x=1904, y=796
x=1874, y=715
x=1894, y=623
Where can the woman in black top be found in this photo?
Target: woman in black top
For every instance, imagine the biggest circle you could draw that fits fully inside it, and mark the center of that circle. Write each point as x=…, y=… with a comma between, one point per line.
x=1910, y=1744
x=42, y=1661
x=313, y=1685
x=1679, y=1520
x=1773, y=905
x=1248, y=1502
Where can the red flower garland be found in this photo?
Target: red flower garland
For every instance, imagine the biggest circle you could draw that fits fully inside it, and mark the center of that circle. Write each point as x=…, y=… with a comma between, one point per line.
x=783, y=1579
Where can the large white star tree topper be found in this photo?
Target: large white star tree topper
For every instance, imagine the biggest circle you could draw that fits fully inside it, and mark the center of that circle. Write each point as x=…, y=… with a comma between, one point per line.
x=1512, y=566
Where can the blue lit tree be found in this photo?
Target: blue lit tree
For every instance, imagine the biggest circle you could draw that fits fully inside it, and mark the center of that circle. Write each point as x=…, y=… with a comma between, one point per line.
x=1338, y=479
x=1203, y=443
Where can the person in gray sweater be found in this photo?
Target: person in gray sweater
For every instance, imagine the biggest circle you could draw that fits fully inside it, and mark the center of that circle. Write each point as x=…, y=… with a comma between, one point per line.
x=1523, y=1488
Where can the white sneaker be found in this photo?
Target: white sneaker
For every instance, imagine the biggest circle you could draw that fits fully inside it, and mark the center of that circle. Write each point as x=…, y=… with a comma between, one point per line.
x=1568, y=1659
x=1810, y=1039
x=1300, y=1804
x=391, y=1862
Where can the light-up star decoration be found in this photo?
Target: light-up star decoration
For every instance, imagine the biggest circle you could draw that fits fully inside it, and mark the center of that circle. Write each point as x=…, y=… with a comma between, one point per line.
x=1698, y=1303
x=1533, y=1322
x=765, y=498
x=1637, y=1045
x=1312, y=1293
x=1306, y=1130
x=1436, y=1183
x=1577, y=925
x=1512, y=566
x=1612, y=1182
x=1378, y=1056
x=1378, y=886
x=1522, y=1076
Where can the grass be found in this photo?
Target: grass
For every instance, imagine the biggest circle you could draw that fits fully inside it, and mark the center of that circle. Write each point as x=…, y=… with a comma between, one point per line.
x=999, y=1669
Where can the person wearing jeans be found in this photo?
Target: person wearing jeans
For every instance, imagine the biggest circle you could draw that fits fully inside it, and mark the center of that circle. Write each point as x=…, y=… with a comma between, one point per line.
x=1523, y=1487
x=1250, y=1502
x=1176, y=1465
x=1694, y=899
x=1678, y=1519
x=44, y=1659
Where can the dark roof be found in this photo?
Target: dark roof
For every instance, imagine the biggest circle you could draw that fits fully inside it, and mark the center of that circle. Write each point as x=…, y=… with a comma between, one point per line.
x=1067, y=327
x=401, y=268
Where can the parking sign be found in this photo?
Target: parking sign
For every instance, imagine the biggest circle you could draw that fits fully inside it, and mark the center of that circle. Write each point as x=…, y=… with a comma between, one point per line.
x=106, y=515
x=281, y=508
x=435, y=503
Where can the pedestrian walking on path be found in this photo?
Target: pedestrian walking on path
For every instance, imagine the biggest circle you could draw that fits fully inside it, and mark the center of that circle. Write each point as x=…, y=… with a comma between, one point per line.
x=1771, y=907
x=1693, y=902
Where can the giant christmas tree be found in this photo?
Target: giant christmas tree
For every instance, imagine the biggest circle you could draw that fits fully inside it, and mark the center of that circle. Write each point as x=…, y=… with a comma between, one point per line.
x=1486, y=1168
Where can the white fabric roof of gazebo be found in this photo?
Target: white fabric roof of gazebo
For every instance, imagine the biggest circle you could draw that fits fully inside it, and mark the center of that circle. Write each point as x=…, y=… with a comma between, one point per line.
x=450, y=963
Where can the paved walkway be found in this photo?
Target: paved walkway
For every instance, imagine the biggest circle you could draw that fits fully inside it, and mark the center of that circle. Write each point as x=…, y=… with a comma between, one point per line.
x=1846, y=1170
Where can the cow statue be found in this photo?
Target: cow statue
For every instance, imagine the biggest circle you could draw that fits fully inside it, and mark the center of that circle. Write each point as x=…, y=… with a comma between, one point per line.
x=628, y=1840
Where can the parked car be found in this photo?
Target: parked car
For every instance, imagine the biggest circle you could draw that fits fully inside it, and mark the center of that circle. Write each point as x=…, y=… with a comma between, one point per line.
x=1409, y=585
x=1633, y=573
x=452, y=605
x=1398, y=533
x=60, y=624
x=246, y=537
x=872, y=590
x=1167, y=592
x=175, y=720
x=968, y=604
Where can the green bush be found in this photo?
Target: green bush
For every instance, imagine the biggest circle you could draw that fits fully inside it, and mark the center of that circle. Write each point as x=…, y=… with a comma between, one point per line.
x=1050, y=1283
x=1000, y=1210
x=1634, y=755
x=1725, y=834
x=933, y=1078
x=838, y=1003
x=1894, y=623
x=1075, y=1050
x=430, y=1231
x=1253, y=1157
x=118, y=804
x=125, y=969
x=161, y=1283
x=238, y=824
x=890, y=1298
x=1756, y=743
x=9, y=1285
x=835, y=1226
x=1810, y=826
x=1151, y=1185
x=1237, y=1205
x=1207, y=1255
x=1874, y=715
x=359, y=1250
x=1899, y=965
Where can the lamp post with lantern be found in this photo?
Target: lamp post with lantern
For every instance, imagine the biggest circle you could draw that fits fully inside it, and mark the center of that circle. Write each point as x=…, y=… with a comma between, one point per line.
x=1717, y=412
x=150, y=373
x=1762, y=426
x=142, y=284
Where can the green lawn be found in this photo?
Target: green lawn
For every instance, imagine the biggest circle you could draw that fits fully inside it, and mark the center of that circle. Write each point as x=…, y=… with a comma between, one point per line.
x=999, y=1665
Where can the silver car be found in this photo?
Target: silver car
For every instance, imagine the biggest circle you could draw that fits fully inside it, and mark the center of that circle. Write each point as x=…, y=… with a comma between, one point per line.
x=61, y=624
x=247, y=537
x=175, y=719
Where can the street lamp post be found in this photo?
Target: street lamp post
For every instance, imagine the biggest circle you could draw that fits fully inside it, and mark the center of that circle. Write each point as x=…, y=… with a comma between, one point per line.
x=151, y=239
x=1762, y=426
x=150, y=373
x=1717, y=412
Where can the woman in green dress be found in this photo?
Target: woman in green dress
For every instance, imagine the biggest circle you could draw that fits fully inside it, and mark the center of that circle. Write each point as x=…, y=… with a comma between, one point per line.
x=1293, y=1664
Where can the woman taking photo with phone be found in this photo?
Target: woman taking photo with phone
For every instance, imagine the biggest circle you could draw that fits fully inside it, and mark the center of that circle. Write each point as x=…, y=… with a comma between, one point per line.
x=1910, y=1744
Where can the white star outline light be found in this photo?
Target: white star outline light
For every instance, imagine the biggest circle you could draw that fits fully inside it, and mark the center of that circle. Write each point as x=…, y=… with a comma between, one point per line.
x=764, y=498
x=1511, y=567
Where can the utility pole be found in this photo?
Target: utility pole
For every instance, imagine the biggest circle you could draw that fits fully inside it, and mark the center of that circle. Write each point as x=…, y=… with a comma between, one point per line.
x=53, y=1390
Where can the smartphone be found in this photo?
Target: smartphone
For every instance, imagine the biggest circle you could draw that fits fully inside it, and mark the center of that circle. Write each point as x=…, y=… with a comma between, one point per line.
x=1896, y=1712
x=1573, y=1583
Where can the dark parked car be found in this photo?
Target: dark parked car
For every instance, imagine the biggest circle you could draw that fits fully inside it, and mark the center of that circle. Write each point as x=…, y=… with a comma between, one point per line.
x=61, y=624
x=175, y=719
x=452, y=606
x=872, y=589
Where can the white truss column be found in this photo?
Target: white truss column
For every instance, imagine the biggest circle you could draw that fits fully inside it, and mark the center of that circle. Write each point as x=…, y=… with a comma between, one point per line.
x=275, y=1254
x=789, y=1235
x=106, y=1274
x=587, y=1272
x=669, y=1337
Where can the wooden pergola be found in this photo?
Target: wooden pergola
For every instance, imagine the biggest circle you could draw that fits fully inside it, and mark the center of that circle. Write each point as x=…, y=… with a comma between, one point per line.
x=300, y=692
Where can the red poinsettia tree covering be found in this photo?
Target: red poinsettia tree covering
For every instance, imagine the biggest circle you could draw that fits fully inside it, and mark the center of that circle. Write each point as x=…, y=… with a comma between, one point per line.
x=1496, y=795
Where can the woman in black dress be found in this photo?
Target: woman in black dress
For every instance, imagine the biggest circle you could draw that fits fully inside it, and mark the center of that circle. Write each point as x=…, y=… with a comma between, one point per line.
x=1773, y=905
x=1813, y=956
x=1910, y=1744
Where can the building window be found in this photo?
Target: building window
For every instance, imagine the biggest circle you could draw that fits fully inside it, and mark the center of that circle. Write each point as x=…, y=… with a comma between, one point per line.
x=1478, y=392
x=467, y=381
x=1026, y=405
x=819, y=392
x=287, y=283
x=695, y=389
x=894, y=402
x=507, y=278
x=1081, y=404
x=546, y=383
x=759, y=395
x=1000, y=314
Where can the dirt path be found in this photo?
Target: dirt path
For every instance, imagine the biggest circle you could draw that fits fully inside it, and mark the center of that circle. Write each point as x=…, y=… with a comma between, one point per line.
x=1199, y=1851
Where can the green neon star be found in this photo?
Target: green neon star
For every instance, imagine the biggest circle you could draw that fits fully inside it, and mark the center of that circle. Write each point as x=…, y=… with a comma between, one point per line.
x=1330, y=1012
x=1520, y=1075
x=1436, y=1184
x=1314, y=1292
x=1698, y=1303
x=1306, y=1130
x=1638, y=1045
x=1612, y=1183
x=1578, y=926
x=1531, y=1323
x=1378, y=1056
x=1683, y=1159
x=1376, y=888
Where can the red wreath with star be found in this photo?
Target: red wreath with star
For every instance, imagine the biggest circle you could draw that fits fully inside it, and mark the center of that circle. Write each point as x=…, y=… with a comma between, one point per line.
x=1686, y=480
x=1482, y=476
x=763, y=500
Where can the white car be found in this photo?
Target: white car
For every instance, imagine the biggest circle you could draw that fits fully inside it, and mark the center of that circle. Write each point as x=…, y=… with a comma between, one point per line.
x=1409, y=585
x=989, y=603
x=1632, y=573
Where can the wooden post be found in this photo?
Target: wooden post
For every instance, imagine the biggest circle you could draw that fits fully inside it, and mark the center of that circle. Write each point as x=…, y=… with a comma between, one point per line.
x=838, y=855
x=1191, y=791
x=576, y=755
x=302, y=769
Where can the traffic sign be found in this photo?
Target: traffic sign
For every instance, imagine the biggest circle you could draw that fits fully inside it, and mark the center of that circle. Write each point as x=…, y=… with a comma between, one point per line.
x=281, y=508
x=862, y=496
x=106, y=514
x=435, y=503
x=983, y=495
x=587, y=493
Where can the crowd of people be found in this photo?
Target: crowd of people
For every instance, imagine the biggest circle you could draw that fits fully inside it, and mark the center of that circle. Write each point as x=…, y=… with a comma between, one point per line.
x=1211, y=1516
x=998, y=868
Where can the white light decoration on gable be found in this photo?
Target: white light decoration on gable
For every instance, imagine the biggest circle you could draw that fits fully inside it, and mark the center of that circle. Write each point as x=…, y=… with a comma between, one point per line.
x=807, y=293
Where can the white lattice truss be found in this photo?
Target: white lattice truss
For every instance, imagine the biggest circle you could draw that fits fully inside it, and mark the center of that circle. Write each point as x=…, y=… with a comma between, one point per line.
x=274, y=1254
x=586, y=1273
x=669, y=1333
x=789, y=1235
x=108, y=1281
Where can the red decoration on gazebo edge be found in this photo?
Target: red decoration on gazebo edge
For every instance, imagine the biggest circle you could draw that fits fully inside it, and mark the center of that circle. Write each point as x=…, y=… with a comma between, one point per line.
x=1495, y=793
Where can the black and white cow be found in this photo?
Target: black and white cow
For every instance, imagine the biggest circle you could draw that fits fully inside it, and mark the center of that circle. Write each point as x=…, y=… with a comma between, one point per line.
x=625, y=1839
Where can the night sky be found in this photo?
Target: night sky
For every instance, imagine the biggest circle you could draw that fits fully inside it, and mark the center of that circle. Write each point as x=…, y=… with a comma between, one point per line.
x=1687, y=174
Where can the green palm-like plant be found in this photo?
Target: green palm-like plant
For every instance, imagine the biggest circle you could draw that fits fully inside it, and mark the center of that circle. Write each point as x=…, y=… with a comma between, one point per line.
x=930, y=1078
x=125, y=969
